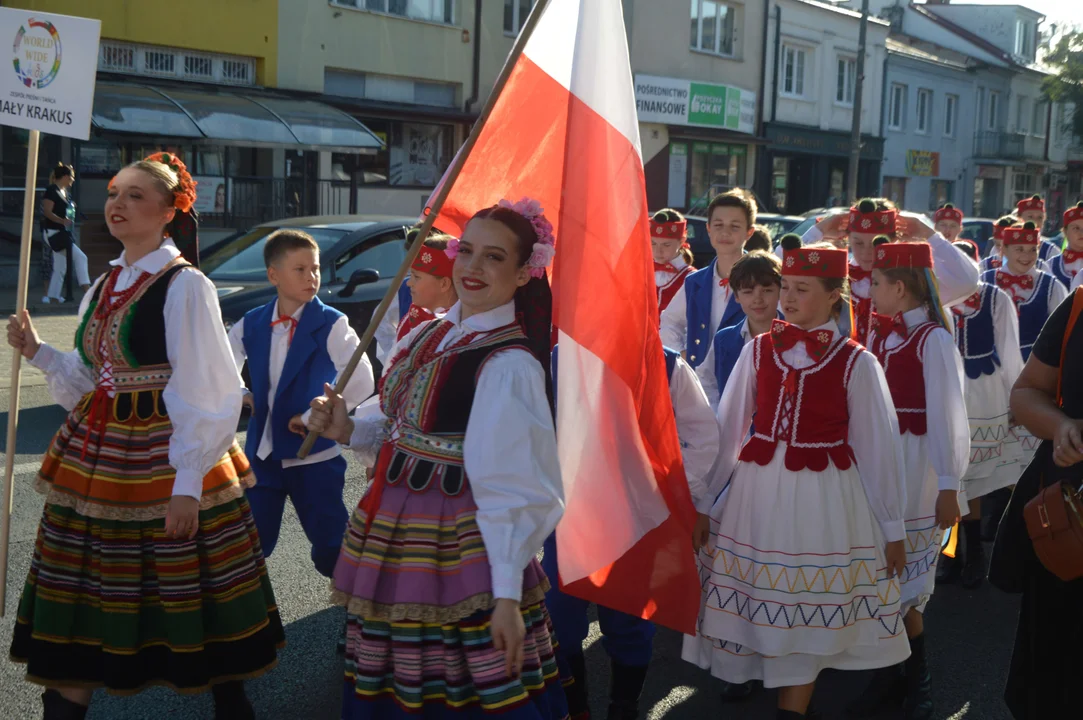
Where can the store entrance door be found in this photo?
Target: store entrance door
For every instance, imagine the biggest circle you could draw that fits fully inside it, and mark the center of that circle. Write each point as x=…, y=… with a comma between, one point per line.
x=300, y=183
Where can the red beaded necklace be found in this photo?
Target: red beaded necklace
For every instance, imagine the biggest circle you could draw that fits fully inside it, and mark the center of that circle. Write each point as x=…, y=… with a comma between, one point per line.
x=110, y=299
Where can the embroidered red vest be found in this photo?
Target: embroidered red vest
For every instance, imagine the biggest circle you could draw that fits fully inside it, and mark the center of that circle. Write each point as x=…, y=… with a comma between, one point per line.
x=903, y=366
x=667, y=292
x=806, y=408
x=862, y=318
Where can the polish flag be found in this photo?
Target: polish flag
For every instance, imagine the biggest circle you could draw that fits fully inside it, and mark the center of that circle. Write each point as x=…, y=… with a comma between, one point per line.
x=565, y=132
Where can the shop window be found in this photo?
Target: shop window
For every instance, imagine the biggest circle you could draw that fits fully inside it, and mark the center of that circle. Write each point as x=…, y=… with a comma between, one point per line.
x=716, y=168
x=844, y=82
x=951, y=109
x=712, y=28
x=101, y=159
x=793, y=71
x=896, y=114
x=440, y=11
x=925, y=110
x=419, y=153
x=780, y=174
x=895, y=190
x=515, y=14
x=1023, y=186
x=940, y=192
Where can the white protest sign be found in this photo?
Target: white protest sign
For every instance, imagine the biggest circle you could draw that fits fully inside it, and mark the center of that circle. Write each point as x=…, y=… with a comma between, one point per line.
x=48, y=82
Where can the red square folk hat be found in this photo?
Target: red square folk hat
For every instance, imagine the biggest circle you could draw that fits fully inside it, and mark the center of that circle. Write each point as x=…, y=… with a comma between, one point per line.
x=1019, y=235
x=676, y=230
x=433, y=261
x=1031, y=203
x=880, y=222
x=827, y=263
x=948, y=212
x=907, y=256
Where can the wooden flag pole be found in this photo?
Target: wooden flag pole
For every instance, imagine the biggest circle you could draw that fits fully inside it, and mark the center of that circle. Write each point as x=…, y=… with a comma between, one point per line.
x=447, y=183
x=16, y=361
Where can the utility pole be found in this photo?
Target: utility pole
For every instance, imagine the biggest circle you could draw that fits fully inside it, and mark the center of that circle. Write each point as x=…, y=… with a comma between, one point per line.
x=859, y=85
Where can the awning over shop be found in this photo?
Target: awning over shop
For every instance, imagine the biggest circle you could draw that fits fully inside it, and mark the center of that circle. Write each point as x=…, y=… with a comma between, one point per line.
x=233, y=117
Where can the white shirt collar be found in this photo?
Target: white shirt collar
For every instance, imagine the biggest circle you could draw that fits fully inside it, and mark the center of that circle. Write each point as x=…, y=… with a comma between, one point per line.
x=830, y=326
x=678, y=262
x=296, y=315
x=745, y=332
x=915, y=317
x=482, y=322
x=152, y=262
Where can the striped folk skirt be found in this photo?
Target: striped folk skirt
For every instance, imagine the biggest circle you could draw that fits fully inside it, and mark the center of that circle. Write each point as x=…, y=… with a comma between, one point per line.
x=417, y=588
x=110, y=601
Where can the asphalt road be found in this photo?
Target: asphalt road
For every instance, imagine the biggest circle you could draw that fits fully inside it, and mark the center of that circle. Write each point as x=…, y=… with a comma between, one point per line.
x=969, y=632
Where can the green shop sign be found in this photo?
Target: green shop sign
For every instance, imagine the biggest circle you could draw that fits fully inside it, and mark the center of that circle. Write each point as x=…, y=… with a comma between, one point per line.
x=674, y=101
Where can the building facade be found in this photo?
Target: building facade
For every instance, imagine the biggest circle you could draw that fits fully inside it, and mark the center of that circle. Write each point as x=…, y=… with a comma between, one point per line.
x=811, y=69
x=697, y=90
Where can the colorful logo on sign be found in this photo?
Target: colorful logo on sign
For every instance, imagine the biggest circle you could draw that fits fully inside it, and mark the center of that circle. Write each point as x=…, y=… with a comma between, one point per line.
x=923, y=162
x=708, y=105
x=37, y=53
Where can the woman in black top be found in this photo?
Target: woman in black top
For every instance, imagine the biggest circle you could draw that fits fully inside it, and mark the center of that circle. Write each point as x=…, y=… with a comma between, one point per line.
x=1047, y=663
x=58, y=222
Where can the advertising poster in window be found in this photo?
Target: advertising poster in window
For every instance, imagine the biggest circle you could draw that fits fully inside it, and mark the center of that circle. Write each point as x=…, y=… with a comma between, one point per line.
x=673, y=101
x=213, y=195
x=419, y=155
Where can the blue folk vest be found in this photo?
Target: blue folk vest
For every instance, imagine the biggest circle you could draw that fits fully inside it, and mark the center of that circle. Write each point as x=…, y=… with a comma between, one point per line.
x=1047, y=249
x=728, y=343
x=1057, y=269
x=698, y=297
x=1033, y=313
x=976, y=336
x=671, y=363
x=307, y=368
x=406, y=299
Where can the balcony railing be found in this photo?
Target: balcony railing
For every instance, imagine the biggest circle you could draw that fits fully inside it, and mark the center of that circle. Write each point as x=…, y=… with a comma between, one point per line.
x=996, y=145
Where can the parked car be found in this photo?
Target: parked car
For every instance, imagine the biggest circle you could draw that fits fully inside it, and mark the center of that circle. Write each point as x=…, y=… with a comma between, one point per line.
x=359, y=256
x=980, y=232
x=702, y=252
x=778, y=225
x=814, y=216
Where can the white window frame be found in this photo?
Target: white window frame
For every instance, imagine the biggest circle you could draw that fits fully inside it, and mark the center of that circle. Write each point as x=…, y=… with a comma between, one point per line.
x=717, y=49
x=898, y=95
x=800, y=85
x=1039, y=116
x=382, y=7
x=848, y=66
x=516, y=21
x=992, y=111
x=924, y=114
x=1022, y=114
x=951, y=114
x=132, y=59
x=1024, y=37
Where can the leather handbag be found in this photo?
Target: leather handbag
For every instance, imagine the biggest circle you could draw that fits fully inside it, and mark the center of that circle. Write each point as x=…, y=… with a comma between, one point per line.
x=60, y=240
x=1054, y=516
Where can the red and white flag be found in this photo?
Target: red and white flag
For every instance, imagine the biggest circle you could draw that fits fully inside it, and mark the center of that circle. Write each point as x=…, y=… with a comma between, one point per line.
x=565, y=132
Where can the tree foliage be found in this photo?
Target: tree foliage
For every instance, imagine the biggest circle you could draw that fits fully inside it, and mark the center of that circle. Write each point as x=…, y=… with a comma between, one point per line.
x=1064, y=54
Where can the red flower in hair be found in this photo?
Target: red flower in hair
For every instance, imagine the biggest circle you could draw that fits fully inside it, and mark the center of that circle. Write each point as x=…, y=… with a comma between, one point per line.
x=184, y=196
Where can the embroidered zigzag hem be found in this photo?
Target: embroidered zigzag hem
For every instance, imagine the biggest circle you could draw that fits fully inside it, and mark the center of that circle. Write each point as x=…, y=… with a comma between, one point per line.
x=787, y=616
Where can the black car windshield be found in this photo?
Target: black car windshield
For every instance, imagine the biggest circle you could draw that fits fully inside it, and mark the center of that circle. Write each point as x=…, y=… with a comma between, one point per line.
x=242, y=259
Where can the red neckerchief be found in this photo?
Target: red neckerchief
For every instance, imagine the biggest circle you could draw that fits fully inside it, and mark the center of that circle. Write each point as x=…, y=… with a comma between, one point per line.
x=286, y=320
x=665, y=267
x=1071, y=256
x=1007, y=281
x=886, y=325
x=858, y=273
x=785, y=336
x=724, y=282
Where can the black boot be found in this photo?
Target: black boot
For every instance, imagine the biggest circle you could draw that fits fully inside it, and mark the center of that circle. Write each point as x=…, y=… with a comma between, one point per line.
x=57, y=707
x=886, y=690
x=973, y=572
x=948, y=570
x=993, y=506
x=625, y=687
x=230, y=702
x=576, y=692
x=734, y=692
x=919, y=685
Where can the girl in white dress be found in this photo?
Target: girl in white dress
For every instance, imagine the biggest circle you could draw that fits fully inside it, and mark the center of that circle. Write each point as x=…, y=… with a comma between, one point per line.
x=809, y=546
x=912, y=341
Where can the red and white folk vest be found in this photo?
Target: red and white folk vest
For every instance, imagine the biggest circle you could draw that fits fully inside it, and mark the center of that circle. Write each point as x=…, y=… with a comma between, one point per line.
x=904, y=368
x=667, y=292
x=806, y=409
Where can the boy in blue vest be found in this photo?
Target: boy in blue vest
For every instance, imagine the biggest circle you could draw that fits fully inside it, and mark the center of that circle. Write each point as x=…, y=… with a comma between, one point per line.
x=293, y=345
x=628, y=640
x=756, y=280
x=705, y=304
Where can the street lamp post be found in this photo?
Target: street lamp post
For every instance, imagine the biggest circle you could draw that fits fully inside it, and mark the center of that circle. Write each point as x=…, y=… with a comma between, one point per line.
x=859, y=84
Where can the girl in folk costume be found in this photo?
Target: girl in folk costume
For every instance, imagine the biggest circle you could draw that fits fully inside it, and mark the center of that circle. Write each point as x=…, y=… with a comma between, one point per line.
x=1066, y=266
x=672, y=254
x=810, y=538
x=913, y=342
x=871, y=217
x=1036, y=295
x=432, y=290
x=705, y=304
x=987, y=336
x=387, y=332
x=995, y=259
x=1033, y=210
x=467, y=477
x=948, y=221
x=147, y=568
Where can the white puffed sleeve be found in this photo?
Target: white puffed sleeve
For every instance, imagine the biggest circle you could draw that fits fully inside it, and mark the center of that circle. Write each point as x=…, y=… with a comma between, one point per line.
x=874, y=437
x=956, y=275
x=707, y=380
x=510, y=456
x=1077, y=280
x=812, y=235
x=674, y=329
x=1006, y=337
x=734, y=416
x=1057, y=294
x=945, y=410
x=67, y=376
x=370, y=431
x=387, y=330
x=697, y=428
x=203, y=396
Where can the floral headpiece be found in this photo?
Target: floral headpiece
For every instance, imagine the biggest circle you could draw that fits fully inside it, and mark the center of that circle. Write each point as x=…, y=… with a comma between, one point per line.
x=545, y=247
x=184, y=197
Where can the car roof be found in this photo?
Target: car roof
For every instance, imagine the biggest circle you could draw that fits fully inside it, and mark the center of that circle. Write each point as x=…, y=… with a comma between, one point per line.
x=978, y=220
x=340, y=222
